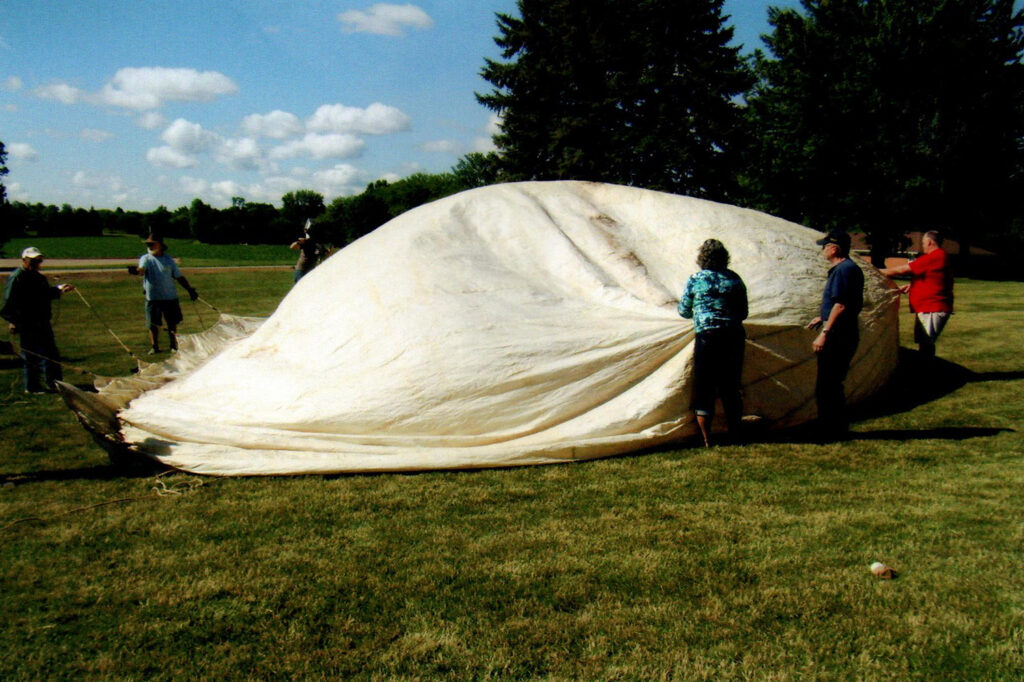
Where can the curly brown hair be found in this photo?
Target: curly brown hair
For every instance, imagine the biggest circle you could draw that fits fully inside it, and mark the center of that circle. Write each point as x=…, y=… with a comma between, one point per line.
x=712, y=255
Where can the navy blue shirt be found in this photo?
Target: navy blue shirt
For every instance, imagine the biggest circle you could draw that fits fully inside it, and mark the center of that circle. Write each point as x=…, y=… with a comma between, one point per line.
x=845, y=285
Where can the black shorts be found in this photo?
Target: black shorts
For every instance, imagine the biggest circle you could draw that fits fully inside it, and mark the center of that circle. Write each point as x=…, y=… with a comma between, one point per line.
x=160, y=312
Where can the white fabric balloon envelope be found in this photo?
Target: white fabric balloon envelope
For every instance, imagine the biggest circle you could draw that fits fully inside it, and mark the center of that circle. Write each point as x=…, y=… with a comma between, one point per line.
x=525, y=323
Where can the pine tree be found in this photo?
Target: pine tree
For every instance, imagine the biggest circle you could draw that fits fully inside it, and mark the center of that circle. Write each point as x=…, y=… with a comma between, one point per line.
x=890, y=116
x=637, y=92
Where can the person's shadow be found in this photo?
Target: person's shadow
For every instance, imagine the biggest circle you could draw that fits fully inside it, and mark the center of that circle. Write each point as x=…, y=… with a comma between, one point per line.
x=916, y=381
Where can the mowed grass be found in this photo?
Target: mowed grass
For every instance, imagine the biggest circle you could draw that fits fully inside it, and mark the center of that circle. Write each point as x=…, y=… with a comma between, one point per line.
x=190, y=252
x=735, y=563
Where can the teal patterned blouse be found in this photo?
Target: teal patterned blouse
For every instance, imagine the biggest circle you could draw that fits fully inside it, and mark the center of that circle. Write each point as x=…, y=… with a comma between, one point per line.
x=714, y=299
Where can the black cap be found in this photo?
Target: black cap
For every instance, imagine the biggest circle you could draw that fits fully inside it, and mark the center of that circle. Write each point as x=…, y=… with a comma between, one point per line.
x=837, y=237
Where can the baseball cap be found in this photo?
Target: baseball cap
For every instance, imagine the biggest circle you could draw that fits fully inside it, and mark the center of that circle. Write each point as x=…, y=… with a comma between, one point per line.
x=31, y=253
x=837, y=237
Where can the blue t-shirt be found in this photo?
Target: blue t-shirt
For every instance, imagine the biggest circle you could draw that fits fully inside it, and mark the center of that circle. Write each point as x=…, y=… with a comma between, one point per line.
x=715, y=299
x=158, y=277
x=845, y=285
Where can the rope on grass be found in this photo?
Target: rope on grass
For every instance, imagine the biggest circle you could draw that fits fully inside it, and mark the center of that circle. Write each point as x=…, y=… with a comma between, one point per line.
x=160, y=489
x=97, y=315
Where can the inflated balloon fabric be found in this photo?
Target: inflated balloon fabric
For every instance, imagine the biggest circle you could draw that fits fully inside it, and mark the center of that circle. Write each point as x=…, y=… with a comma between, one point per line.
x=515, y=324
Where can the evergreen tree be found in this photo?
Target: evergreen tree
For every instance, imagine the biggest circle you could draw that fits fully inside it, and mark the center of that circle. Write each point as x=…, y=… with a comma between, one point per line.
x=5, y=212
x=890, y=116
x=636, y=92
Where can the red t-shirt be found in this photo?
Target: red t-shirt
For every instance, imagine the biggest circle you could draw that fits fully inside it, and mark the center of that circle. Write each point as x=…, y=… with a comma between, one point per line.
x=931, y=284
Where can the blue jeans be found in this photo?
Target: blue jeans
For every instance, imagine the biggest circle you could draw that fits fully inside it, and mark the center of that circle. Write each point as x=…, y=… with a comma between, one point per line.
x=41, y=358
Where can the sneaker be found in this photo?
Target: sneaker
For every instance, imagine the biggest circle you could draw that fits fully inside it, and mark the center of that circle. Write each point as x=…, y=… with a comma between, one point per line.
x=153, y=351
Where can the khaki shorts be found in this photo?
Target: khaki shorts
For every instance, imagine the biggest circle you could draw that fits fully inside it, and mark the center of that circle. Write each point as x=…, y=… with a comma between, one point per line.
x=929, y=326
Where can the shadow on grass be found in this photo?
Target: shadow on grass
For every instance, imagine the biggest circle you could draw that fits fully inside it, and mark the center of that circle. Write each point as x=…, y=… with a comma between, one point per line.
x=100, y=472
x=915, y=382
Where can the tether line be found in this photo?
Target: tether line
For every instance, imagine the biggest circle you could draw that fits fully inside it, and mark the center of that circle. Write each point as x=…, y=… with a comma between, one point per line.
x=105, y=325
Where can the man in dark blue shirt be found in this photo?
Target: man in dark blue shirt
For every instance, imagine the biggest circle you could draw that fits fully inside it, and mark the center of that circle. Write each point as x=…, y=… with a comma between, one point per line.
x=837, y=342
x=26, y=308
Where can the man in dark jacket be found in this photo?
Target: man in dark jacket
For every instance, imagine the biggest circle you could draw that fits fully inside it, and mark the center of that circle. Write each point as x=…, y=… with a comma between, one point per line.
x=836, y=344
x=26, y=308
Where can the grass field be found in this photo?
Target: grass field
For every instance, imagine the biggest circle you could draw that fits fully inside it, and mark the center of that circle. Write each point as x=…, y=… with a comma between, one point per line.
x=734, y=563
x=191, y=253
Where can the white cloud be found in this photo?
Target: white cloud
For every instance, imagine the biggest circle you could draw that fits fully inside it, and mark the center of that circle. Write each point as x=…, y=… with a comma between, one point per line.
x=168, y=157
x=16, y=192
x=273, y=187
x=91, y=180
x=22, y=151
x=150, y=87
x=277, y=124
x=243, y=153
x=441, y=146
x=151, y=120
x=13, y=84
x=191, y=138
x=385, y=19
x=94, y=135
x=62, y=92
x=227, y=189
x=320, y=147
x=193, y=186
x=493, y=125
x=376, y=119
x=484, y=145
x=340, y=178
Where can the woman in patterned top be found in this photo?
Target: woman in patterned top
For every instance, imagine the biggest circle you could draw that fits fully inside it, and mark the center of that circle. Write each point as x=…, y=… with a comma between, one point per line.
x=716, y=299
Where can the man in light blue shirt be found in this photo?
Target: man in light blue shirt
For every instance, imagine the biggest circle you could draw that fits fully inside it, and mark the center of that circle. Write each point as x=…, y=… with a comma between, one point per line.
x=159, y=272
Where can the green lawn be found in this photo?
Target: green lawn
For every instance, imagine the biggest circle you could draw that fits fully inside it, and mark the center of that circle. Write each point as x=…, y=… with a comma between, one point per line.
x=191, y=253
x=734, y=563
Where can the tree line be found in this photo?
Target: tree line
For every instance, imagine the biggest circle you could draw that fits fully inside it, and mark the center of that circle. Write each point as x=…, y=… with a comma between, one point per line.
x=881, y=117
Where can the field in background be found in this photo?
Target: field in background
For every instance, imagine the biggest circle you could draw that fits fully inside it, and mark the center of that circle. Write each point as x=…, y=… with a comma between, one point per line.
x=739, y=562
x=191, y=253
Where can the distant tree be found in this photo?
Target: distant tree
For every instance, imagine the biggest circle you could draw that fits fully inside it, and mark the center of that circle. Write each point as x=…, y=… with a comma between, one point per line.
x=890, y=116
x=349, y=218
x=477, y=169
x=179, y=225
x=415, y=190
x=299, y=206
x=261, y=225
x=202, y=220
x=157, y=221
x=6, y=231
x=3, y=172
x=636, y=92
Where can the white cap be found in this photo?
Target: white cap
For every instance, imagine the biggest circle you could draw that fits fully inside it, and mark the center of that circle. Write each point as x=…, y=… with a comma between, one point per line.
x=31, y=252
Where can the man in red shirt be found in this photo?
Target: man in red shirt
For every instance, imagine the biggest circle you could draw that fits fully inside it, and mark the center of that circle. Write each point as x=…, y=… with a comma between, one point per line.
x=930, y=290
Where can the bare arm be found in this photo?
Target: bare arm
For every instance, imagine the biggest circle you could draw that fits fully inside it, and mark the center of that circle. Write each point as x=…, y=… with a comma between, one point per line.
x=897, y=270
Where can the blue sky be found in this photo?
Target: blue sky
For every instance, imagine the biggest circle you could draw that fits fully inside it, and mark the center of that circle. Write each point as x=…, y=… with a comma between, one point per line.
x=141, y=103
